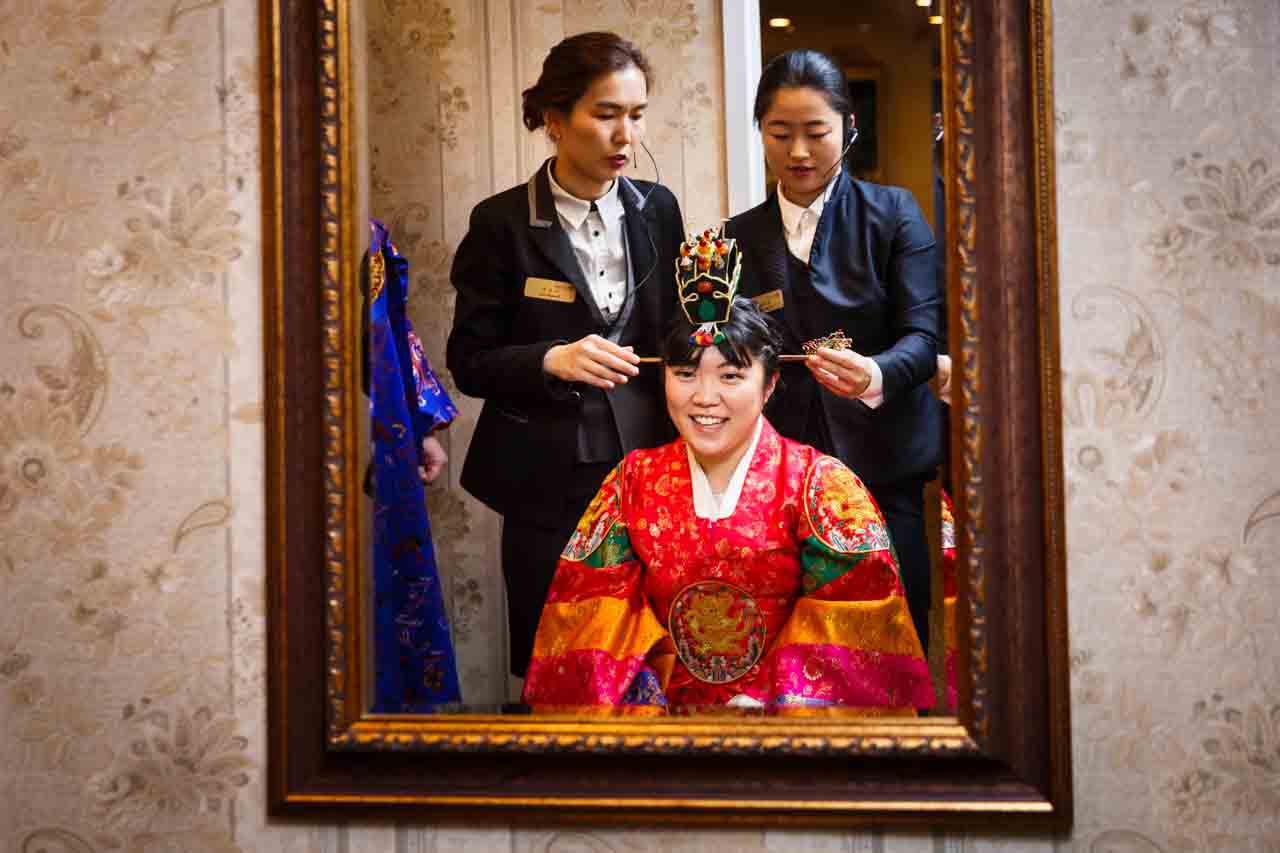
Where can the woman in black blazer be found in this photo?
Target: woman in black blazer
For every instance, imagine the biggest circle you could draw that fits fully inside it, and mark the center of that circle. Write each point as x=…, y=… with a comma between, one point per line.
x=563, y=282
x=826, y=253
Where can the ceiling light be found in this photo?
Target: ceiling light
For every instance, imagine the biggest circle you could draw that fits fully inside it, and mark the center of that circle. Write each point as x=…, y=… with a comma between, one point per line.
x=779, y=23
x=935, y=19
x=924, y=3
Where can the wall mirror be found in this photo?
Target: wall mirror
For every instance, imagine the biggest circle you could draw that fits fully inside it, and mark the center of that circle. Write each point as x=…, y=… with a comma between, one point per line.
x=376, y=112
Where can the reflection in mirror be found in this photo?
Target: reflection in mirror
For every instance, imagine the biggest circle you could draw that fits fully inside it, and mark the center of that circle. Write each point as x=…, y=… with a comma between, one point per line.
x=416, y=668
x=455, y=588
x=889, y=53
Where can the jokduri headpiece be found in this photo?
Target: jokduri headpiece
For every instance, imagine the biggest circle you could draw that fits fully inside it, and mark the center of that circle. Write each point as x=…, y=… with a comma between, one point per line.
x=706, y=280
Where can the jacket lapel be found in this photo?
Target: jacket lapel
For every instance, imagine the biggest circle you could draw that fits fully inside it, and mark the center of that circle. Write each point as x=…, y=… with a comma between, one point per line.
x=775, y=262
x=826, y=222
x=546, y=233
x=641, y=255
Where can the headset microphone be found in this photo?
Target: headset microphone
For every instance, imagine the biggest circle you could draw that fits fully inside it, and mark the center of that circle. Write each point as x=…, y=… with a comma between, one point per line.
x=657, y=179
x=853, y=137
x=657, y=176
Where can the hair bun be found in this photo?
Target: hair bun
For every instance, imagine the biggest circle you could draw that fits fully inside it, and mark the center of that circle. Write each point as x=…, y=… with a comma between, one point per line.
x=531, y=107
x=571, y=67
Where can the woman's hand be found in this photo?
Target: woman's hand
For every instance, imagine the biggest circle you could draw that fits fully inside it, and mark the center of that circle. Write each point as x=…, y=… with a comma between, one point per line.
x=593, y=360
x=435, y=459
x=844, y=373
x=943, y=379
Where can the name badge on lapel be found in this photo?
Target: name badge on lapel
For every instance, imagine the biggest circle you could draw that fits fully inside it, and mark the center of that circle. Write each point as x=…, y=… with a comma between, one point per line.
x=769, y=302
x=549, y=289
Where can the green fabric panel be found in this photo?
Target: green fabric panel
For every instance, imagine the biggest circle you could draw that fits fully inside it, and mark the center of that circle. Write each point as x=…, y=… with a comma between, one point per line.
x=821, y=565
x=614, y=549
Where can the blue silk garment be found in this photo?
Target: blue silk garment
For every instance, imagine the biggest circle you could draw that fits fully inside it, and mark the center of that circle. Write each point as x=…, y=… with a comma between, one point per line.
x=413, y=652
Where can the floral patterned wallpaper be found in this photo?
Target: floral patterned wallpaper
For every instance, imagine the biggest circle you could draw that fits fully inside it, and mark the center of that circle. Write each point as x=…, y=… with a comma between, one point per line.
x=129, y=189
x=1169, y=211
x=131, y=543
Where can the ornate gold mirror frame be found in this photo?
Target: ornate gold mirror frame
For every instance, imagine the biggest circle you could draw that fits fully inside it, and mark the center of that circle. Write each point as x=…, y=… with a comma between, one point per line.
x=1008, y=754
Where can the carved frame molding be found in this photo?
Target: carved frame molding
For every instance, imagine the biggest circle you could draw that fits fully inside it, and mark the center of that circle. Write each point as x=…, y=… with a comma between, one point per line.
x=1000, y=221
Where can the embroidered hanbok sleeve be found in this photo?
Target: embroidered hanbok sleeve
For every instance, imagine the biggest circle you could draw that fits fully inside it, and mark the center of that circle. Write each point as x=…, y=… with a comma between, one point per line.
x=592, y=650
x=430, y=408
x=433, y=408
x=849, y=646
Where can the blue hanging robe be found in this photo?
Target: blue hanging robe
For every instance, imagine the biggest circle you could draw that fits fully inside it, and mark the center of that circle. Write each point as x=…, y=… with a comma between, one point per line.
x=413, y=653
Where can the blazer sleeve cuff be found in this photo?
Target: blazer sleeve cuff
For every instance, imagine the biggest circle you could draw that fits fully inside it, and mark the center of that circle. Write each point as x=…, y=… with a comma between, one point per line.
x=555, y=387
x=874, y=395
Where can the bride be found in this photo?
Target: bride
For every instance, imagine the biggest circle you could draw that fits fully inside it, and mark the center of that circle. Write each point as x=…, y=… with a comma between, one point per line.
x=732, y=566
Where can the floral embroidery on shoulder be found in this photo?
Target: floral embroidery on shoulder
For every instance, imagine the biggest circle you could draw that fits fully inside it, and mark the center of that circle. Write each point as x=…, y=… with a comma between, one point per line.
x=841, y=511
x=604, y=511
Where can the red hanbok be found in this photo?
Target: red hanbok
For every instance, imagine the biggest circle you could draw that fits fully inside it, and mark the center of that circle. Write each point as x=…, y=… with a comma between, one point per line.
x=791, y=602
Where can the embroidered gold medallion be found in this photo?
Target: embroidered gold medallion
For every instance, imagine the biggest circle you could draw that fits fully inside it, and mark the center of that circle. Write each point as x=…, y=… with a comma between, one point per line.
x=718, y=631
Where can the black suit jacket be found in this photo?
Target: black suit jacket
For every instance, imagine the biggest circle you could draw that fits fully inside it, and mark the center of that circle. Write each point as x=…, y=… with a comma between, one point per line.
x=525, y=441
x=872, y=269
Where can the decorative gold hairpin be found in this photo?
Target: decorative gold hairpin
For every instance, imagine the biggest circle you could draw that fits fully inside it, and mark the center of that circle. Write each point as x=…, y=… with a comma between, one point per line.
x=837, y=340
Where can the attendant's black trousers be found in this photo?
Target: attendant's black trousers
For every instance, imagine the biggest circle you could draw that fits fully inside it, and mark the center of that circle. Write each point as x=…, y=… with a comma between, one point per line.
x=530, y=552
x=903, y=507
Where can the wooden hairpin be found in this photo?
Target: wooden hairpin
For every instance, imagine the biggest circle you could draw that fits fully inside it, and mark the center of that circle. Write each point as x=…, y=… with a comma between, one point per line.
x=837, y=340
x=785, y=358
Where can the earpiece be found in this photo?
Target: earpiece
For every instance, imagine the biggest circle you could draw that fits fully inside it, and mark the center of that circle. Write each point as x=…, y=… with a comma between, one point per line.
x=853, y=137
x=850, y=137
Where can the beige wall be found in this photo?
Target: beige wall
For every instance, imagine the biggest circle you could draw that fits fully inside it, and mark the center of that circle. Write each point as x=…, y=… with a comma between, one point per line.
x=131, y=545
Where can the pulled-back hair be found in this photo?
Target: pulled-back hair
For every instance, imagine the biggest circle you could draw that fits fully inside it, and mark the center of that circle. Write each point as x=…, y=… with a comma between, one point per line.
x=572, y=66
x=804, y=69
x=750, y=335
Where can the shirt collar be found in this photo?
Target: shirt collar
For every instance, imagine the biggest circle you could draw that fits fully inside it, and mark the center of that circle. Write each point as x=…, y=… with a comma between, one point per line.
x=792, y=212
x=704, y=501
x=574, y=210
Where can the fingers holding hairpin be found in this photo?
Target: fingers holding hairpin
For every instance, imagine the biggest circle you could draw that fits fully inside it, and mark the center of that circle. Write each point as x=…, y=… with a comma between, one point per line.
x=592, y=360
x=844, y=373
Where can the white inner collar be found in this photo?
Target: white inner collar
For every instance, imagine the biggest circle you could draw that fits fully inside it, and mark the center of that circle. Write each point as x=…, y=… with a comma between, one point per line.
x=793, y=214
x=574, y=210
x=705, y=503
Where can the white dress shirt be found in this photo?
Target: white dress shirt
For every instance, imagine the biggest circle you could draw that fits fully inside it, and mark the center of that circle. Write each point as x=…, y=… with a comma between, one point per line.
x=595, y=233
x=800, y=224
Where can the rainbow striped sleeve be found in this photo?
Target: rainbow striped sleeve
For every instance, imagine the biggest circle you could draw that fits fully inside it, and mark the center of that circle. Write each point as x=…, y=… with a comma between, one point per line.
x=849, y=646
x=597, y=629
